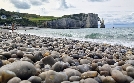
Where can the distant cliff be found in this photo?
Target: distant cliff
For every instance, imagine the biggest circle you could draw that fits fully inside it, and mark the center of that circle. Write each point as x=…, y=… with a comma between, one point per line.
x=81, y=20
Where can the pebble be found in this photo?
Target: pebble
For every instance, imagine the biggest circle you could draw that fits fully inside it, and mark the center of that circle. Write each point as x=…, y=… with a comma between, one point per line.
x=28, y=58
x=89, y=74
x=35, y=79
x=14, y=80
x=118, y=76
x=90, y=80
x=129, y=79
x=43, y=75
x=19, y=54
x=130, y=71
x=48, y=60
x=6, y=75
x=83, y=68
x=72, y=72
x=55, y=77
x=22, y=69
x=25, y=81
x=74, y=78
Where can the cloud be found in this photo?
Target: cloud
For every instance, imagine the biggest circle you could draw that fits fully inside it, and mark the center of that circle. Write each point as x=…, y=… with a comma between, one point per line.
x=36, y=2
x=20, y=4
x=98, y=0
x=63, y=5
x=118, y=17
x=42, y=11
x=47, y=1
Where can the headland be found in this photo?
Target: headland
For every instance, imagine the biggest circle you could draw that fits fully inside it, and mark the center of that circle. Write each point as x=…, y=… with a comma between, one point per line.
x=72, y=21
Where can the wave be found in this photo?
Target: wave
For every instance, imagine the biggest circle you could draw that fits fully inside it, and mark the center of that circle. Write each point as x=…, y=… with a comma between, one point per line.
x=66, y=35
x=123, y=36
x=94, y=36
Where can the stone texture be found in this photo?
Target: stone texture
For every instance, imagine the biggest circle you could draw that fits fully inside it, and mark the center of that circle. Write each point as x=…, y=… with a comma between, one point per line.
x=90, y=80
x=6, y=75
x=130, y=71
x=14, y=80
x=22, y=69
x=118, y=76
x=48, y=60
x=55, y=77
x=35, y=79
x=107, y=79
x=89, y=74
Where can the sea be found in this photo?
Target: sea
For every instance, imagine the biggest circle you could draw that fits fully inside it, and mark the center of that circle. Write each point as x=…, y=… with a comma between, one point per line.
x=115, y=36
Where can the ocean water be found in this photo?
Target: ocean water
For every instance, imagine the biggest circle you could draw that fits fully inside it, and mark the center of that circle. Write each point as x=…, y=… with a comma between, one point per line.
x=120, y=36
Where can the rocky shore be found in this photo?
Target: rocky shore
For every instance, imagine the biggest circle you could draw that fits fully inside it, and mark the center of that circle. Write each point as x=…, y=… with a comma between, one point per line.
x=28, y=58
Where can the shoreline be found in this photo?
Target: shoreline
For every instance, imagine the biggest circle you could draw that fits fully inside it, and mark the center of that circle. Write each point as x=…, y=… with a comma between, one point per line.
x=4, y=30
x=80, y=37
x=35, y=28
x=63, y=60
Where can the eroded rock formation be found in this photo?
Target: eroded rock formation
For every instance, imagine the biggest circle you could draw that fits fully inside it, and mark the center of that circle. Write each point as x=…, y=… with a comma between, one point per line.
x=81, y=20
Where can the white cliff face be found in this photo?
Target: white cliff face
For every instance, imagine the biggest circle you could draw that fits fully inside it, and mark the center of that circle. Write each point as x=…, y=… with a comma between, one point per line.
x=63, y=22
x=96, y=20
x=81, y=20
x=88, y=22
x=92, y=21
x=102, y=23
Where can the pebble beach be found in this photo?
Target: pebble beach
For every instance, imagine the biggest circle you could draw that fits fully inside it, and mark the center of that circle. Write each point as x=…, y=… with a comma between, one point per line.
x=28, y=58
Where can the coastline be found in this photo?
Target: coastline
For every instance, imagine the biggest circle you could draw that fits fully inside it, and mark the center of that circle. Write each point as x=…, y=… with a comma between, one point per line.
x=64, y=60
x=4, y=30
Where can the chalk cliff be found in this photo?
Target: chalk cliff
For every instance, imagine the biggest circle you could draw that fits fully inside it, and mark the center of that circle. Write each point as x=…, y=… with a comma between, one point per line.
x=81, y=20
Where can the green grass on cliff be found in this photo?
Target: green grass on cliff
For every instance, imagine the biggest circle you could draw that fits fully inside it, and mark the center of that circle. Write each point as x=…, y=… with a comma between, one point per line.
x=41, y=18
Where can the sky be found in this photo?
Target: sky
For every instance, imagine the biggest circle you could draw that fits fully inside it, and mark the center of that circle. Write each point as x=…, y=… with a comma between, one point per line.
x=112, y=11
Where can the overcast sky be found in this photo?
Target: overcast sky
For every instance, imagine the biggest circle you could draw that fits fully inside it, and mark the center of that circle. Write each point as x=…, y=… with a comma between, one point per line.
x=113, y=11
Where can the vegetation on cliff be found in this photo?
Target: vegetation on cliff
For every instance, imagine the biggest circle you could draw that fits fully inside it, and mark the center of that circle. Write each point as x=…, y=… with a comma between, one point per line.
x=26, y=19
